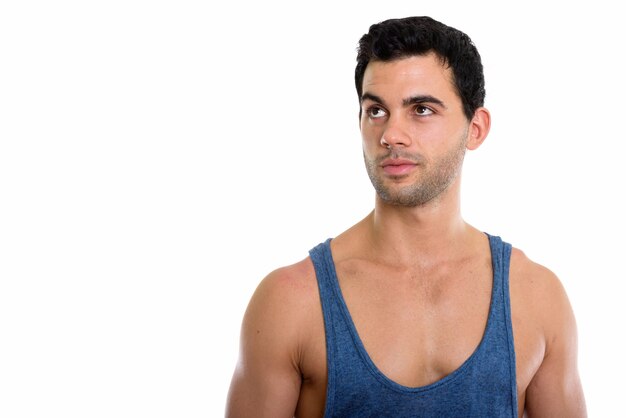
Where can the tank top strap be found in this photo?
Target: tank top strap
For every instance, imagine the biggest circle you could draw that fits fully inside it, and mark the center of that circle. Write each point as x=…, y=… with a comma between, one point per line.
x=500, y=258
x=500, y=331
x=325, y=272
x=322, y=259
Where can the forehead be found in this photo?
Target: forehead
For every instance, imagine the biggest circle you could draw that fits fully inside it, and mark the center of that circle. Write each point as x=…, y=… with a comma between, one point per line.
x=421, y=74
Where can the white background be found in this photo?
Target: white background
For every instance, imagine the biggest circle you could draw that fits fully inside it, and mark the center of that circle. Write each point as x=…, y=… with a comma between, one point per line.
x=158, y=159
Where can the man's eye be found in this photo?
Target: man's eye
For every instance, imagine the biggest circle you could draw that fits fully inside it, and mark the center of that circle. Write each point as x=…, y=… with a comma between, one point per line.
x=376, y=112
x=423, y=110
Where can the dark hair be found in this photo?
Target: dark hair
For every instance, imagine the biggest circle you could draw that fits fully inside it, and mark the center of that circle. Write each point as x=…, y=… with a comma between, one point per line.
x=401, y=38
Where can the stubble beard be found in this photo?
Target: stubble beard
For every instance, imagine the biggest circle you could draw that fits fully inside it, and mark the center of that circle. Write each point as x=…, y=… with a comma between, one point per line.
x=433, y=180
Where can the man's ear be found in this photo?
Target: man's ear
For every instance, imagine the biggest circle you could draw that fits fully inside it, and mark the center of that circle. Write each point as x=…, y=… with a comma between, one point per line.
x=478, y=128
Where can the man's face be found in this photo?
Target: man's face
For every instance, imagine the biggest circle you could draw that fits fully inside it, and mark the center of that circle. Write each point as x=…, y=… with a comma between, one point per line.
x=413, y=127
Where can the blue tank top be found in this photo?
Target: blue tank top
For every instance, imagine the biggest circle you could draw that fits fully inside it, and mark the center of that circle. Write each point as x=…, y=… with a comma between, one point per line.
x=483, y=386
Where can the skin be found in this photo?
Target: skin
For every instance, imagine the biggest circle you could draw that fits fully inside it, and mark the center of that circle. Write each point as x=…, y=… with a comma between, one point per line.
x=412, y=272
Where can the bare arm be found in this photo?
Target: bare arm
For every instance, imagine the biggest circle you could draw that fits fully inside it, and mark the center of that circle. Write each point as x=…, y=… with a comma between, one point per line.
x=266, y=382
x=555, y=390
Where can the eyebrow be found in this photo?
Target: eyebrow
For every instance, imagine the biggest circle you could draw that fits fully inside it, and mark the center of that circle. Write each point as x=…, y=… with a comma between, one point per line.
x=424, y=98
x=372, y=97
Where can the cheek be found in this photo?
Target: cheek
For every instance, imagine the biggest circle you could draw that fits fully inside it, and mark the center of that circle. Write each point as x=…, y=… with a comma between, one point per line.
x=364, y=125
x=429, y=133
x=366, y=143
x=370, y=134
x=438, y=136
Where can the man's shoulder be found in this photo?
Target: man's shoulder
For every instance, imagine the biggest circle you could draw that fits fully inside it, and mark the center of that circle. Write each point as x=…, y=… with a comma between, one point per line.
x=291, y=281
x=285, y=294
x=537, y=293
x=531, y=277
x=545, y=336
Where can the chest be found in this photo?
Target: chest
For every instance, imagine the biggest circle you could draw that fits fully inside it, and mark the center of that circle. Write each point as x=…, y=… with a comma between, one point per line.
x=416, y=329
x=417, y=326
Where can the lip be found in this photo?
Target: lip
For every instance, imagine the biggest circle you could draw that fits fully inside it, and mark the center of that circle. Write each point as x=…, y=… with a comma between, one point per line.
x=397, y=167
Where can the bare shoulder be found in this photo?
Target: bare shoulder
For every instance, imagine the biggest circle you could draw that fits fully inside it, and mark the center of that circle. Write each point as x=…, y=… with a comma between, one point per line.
x=290, y=285
x=545, y=335
x=281, y=299
x=538, y=291
x=529, y=272
x=268, y=375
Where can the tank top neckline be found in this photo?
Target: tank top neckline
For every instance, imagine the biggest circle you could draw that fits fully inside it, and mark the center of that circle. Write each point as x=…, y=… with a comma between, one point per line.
x=376, y=372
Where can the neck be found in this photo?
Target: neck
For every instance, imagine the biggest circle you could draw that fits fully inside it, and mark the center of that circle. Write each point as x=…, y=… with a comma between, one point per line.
x=433, y=230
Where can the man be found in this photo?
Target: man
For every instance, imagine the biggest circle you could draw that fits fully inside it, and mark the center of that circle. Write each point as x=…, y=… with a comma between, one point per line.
x=411, y=312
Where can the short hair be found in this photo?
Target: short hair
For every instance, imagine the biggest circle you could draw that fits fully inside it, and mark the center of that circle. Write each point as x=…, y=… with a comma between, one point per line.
x=402, y=38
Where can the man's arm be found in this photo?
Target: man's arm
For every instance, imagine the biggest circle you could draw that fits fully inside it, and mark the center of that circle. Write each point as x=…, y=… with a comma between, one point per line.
x=266, y=382
x=555, y=390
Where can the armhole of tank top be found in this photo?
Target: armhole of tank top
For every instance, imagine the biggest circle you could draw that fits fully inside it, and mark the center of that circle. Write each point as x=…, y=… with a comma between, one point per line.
x=506, y=262
x=320, y=258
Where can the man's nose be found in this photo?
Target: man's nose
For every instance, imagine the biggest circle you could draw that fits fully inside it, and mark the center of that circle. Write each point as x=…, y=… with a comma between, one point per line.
x=395, y=134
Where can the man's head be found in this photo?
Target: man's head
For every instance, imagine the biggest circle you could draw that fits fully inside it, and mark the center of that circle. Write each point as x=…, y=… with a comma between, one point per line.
x=401, y=38
x=421, y=90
